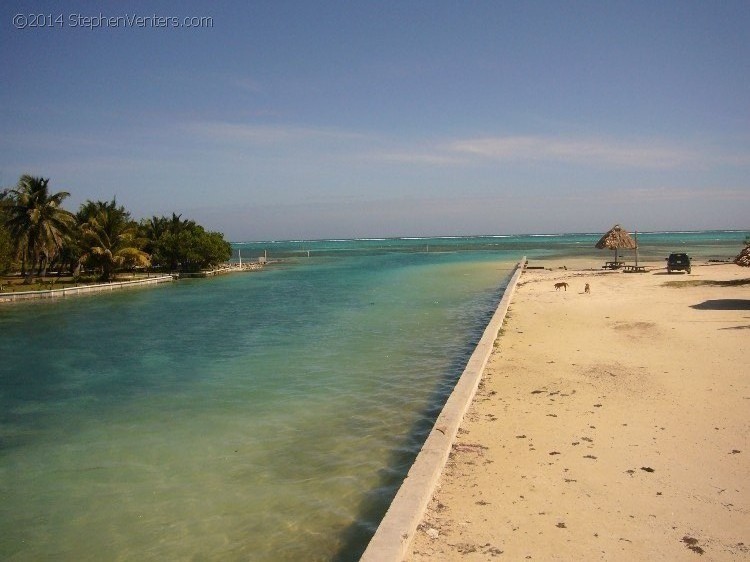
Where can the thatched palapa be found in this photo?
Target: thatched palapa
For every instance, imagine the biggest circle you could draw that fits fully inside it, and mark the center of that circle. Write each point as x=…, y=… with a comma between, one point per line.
x=615, y=239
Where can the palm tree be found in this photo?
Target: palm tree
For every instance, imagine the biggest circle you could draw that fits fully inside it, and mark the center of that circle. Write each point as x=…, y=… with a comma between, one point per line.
x=37, y=223
x=110, y=240
x=152, y=230
x=73, y=253
x=169, y=246
x=6, y=243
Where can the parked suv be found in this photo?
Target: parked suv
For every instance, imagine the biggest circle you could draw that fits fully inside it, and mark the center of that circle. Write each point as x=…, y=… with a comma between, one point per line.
x=678, y=262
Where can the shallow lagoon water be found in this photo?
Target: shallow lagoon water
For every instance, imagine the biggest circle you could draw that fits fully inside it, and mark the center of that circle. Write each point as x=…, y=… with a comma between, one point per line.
x=264, y=416
x=259, y=416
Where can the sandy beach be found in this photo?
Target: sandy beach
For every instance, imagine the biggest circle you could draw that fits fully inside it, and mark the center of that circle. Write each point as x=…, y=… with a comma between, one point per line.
x=610, y=425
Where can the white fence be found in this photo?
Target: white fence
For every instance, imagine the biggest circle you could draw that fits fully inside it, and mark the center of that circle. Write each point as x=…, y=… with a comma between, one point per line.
x=83, y=289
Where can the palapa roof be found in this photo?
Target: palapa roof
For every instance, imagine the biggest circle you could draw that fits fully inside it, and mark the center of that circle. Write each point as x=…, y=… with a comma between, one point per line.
x=743, y=258
x=617, y=237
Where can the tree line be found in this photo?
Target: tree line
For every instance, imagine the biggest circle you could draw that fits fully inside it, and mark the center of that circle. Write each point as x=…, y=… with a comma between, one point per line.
x=37, y=234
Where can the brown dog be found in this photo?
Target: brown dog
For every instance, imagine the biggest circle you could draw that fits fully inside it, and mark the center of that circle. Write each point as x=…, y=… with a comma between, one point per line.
x=587, y=289
x=562, y=285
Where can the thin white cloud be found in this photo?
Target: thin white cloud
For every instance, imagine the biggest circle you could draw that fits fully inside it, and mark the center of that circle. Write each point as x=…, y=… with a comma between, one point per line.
x=594, y=151
x=650, y=195
x=248, y=85
x=591, y=151
x=431, y=157
x=644, y=194
x=266, y=134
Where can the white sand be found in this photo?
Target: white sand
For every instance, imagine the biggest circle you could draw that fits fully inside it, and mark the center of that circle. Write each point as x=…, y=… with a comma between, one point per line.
x=613, y=425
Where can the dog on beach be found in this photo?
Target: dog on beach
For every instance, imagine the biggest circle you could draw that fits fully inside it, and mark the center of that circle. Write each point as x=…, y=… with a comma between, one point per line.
x=587, y=289
x=562, y=285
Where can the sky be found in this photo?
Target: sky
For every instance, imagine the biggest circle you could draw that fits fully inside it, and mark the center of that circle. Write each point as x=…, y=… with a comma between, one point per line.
x=283, y=119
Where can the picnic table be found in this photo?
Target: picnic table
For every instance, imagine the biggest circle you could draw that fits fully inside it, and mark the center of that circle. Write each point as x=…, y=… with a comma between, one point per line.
x=613, y=265
x=634, y=269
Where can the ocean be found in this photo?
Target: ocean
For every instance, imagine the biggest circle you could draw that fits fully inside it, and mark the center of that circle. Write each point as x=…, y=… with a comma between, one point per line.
x=265, y=415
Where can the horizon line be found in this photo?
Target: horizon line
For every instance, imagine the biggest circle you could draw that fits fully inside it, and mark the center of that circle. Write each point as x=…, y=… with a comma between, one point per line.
x=465, y=236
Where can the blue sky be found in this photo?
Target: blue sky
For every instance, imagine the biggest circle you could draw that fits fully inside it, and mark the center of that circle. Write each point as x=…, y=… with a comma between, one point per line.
x=284, y=120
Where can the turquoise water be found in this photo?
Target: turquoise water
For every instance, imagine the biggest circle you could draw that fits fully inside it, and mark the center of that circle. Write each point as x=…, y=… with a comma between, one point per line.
x=258, y=416
x=717, y=244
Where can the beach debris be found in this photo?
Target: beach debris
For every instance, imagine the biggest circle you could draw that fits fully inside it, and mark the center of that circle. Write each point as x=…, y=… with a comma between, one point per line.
x=432, y=533
x=469, y=448
x=647, y=469
x=743, y=258
x=465, y=548
x=692, y=544
x=493, y=550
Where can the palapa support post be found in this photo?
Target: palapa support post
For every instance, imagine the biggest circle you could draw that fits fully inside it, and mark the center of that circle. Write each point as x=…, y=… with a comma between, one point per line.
x=636, y=249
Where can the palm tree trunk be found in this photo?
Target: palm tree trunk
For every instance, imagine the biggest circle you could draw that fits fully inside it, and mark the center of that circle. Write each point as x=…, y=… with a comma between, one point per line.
x=29, y=275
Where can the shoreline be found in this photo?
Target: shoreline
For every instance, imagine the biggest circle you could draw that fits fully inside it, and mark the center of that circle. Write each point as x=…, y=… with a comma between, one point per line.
x=90, y=288
x=398, y=526
x=610, y=425
x=54, y=294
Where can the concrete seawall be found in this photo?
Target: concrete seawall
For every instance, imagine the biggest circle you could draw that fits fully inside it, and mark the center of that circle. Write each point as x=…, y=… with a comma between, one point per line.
x=396, y=531
x=82, y=290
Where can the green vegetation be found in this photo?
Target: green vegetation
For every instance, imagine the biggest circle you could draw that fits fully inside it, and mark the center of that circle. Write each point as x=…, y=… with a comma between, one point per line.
x=99, y=241
x=175, y=243
x=109, y=240
x=7, y=253
x=37, y=223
